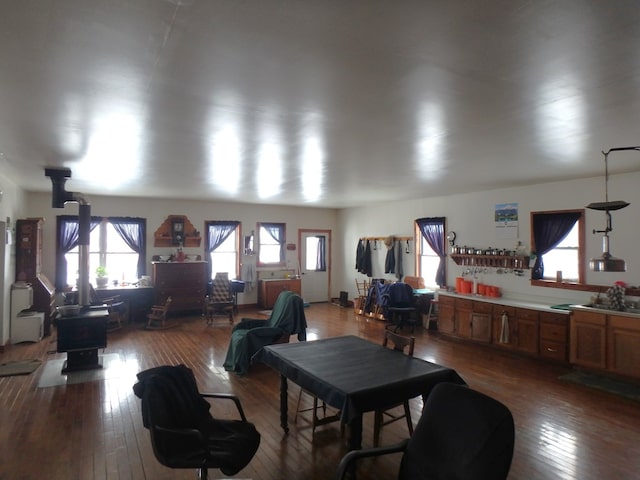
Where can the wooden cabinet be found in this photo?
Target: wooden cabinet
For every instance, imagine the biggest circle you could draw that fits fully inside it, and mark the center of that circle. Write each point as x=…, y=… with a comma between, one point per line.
x=526, y=334
x=464, y=310
x=446, y=315
x=623, y=345
x=29, y=265
x=268, y=290
x=588, y=339
x=554, y=336
x=184, y=282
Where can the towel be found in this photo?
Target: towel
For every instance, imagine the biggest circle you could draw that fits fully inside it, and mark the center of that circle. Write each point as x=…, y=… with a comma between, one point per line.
x=249, y=276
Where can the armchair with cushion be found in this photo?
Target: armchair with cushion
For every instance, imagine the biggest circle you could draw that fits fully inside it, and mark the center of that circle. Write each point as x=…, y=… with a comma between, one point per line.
x=463, y=434
x=184, y=434
x=251, y=334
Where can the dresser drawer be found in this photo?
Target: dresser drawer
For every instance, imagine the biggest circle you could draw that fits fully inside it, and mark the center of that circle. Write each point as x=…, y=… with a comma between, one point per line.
x=553, y=350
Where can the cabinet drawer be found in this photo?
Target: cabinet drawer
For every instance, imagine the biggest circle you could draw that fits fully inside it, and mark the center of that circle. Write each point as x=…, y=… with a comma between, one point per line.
x=446, y=300
x=553, y=350
x=464, y=304
x=526, y=314
x=482, y=307
x=498, y=310
x=553, y=332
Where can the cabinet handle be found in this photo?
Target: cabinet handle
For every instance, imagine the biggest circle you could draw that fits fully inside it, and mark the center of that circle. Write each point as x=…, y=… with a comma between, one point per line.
x=552, y=350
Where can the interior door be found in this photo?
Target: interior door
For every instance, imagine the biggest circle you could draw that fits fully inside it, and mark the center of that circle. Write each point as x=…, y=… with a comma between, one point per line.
x=315, y=264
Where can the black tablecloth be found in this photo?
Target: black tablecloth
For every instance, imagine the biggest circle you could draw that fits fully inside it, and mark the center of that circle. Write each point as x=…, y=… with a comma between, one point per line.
x=355, y=375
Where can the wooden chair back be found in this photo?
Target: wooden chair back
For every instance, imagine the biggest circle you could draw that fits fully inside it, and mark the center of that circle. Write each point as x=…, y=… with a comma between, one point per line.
x=399, y=342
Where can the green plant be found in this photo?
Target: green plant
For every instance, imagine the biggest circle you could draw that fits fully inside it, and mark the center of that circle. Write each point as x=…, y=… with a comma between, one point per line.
x=101, y=272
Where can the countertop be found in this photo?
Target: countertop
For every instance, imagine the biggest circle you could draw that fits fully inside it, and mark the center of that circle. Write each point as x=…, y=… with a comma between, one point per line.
x=512, y=302
x=540, y=305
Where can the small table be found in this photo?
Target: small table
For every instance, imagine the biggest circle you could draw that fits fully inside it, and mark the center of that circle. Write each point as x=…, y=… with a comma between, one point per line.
x=352, y=375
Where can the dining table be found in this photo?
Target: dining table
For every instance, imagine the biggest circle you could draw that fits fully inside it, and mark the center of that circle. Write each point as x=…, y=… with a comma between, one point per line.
x=352, y=375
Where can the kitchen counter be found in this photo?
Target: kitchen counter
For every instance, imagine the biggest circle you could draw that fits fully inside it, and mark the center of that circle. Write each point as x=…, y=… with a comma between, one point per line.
x=634, y=313
x=512, y=302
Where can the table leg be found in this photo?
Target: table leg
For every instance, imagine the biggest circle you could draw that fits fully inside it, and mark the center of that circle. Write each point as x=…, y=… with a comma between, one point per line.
x=284, y=403
x=355, y=433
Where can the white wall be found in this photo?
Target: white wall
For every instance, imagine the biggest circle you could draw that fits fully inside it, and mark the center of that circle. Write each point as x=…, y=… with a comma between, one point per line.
x=12, y=207
x=157, y=210
x=471, y=217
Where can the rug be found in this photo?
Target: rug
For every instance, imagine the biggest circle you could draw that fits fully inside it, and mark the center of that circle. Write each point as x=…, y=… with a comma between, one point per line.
x=19, y=367
x=606, y=384
x=112, y=367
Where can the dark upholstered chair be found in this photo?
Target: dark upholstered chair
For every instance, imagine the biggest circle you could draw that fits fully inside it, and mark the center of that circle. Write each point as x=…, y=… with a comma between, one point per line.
x=183, y=432
x=462, y=435
x=251, y=334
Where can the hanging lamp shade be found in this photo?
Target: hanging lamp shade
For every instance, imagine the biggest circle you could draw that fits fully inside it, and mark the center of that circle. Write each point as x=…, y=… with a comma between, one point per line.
x=607, y=262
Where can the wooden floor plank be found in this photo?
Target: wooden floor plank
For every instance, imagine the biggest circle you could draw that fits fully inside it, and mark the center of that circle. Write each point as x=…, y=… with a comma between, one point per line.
x=93, y=431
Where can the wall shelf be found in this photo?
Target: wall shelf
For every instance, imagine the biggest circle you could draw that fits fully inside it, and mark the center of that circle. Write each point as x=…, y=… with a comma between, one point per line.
x=164, y=235
x=492, y=261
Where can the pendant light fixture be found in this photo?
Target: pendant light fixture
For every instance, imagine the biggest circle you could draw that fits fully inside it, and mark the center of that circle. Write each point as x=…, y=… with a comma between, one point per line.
x=607, y=262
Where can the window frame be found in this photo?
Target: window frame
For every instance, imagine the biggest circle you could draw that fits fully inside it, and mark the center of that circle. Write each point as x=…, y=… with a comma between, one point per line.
x=418, y=239
x=552, y=283
x=258, y=244
x=238, y=230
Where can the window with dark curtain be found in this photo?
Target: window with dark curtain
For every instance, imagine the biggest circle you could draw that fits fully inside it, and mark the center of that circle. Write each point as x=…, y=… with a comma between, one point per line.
x=215, y=234
x=276, y=231
x=433, y=231
x=548, y=230
x=67, y=235
x=132, y=231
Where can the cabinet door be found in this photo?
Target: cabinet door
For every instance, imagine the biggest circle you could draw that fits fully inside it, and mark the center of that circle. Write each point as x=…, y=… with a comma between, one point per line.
x=624, y=345
x=588, y=339
x=481, y=327
x=463, y=323
x=527, y=330
x=446, y=319
x=507, y=340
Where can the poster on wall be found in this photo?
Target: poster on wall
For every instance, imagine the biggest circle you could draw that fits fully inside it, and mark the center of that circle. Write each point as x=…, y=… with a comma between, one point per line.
x=506, y=219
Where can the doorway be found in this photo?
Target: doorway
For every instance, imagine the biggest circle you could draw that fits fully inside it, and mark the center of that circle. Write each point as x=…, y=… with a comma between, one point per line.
x=315, y=264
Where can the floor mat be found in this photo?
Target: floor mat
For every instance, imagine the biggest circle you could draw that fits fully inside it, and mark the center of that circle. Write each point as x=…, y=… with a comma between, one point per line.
x=112, y=367
x=19, y=367
x=606, y=384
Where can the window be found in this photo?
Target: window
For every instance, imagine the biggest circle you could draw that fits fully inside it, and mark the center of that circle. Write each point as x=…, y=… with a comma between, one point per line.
x=271, y=244
x=431, y=251
x=428, y=263
x=116, y=243
x=316, y=251
x=222, y=240
x=558, y=240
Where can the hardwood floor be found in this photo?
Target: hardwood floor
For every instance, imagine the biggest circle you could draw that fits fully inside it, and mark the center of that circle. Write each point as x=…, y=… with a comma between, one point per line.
x=94, y=430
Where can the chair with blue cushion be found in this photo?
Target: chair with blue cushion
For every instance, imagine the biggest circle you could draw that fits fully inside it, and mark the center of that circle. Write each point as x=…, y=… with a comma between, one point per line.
x=251, y=334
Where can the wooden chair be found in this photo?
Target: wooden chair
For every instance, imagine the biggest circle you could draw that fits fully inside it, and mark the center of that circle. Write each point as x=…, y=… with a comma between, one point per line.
x=363, y=290
x=220, y=302
x=381, y=418
x=118, y=312
x=157, y=317
x=317, y=420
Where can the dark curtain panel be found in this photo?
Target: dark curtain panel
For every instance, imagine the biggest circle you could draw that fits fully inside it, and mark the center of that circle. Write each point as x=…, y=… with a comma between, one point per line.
x=67, y=233
x=216, y=233
x=134, y=233
x=549, y=229
x=276, y=230
x=432, y=230
x=321, y=254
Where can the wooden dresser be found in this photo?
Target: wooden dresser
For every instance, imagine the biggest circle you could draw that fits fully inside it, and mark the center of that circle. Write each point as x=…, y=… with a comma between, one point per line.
x=268, y=290
x=184, y=282
x=29, y=265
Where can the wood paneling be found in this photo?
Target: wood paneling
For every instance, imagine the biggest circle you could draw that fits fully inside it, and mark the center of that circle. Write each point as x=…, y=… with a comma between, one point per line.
x=94, y=430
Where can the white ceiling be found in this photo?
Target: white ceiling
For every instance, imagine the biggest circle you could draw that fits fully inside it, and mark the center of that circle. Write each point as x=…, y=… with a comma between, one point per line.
x=328, y=103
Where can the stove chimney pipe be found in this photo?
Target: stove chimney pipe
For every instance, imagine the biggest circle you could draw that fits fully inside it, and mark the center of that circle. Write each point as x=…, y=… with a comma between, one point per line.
x=59, y=198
